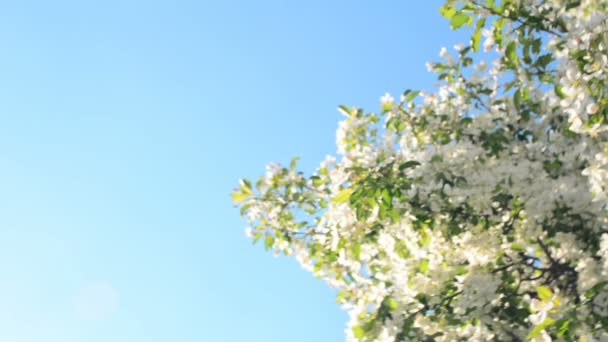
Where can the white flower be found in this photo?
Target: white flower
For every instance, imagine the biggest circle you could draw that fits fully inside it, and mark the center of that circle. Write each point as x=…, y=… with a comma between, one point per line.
x=542, y=337
x=387, y=99
x=540, y=309
x=592, y=108
x=481, y=66
x=489, y=42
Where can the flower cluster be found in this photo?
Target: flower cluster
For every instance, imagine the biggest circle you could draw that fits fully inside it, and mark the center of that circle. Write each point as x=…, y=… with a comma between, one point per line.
x=476, y=212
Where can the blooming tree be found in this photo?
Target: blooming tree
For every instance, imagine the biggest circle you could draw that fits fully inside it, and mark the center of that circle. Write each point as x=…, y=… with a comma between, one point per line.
x=476, y=212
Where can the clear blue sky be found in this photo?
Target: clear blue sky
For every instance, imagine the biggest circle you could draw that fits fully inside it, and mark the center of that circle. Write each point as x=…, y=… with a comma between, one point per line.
x=125, y=125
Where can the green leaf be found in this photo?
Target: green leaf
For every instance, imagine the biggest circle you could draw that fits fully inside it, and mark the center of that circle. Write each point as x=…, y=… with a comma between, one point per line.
x=460, y=270
x=466, y=120
x=238, y=197
x=517, y=99
x=552, y=167
x=268, y=242
x=391, y=303
x=293, y=163
x=517, y=246
x=536, y=45
x=356, y=195
x=410, y=95
x=425, y=238
x=526, y=48
x=343, y=195
x=499, y=25
x=559, y=91
x=386, y=107
x=345, y=110
x=408, y=164
x=246, y=185
x=525, y=94
x=593, y=291
x=544, y=60
x=511, y=53
x=316, y=180
x=458, y=20
x=545, y=324
x=437, y=158
x=447, y=11
x=424, y=266
x=503, y=6
x=572, y=4
x=356, y=250
x=544, y=293
x=387, y=199
x=358, y=331
x=476, y=37
x=401, y=249
x=564, y=324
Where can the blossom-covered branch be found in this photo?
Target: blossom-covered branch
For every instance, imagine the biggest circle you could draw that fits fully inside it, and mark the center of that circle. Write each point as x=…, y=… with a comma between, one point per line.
x=477, y=211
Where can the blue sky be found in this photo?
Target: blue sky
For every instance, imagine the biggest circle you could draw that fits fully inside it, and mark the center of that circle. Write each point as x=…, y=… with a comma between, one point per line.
x=125, y=125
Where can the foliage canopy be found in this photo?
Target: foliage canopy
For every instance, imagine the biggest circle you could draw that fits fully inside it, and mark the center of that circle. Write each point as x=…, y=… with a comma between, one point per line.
x=476, y=212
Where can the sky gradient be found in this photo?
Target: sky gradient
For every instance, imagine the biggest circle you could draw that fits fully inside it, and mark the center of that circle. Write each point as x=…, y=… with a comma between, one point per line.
x=125, y=126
